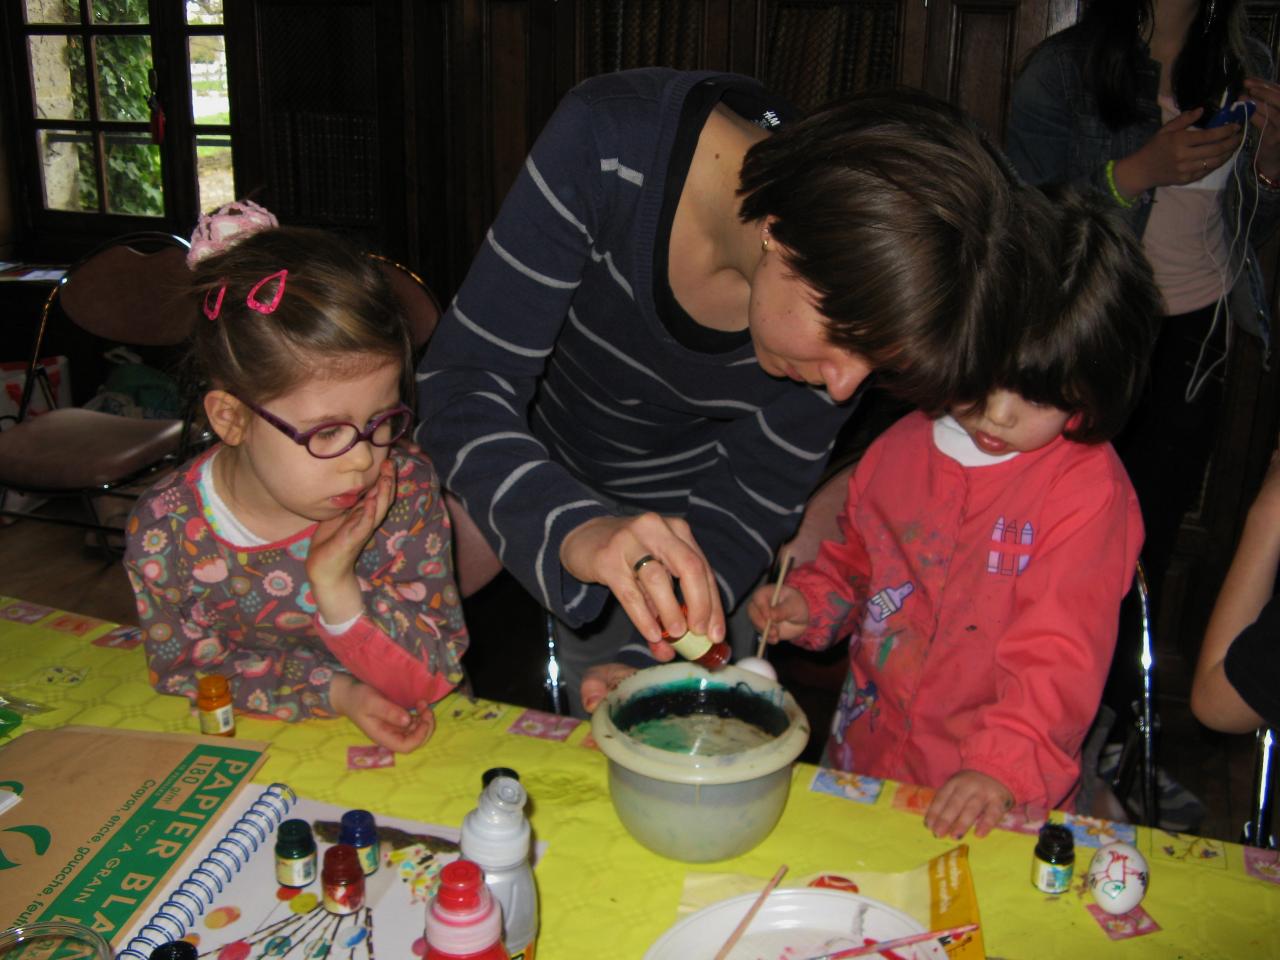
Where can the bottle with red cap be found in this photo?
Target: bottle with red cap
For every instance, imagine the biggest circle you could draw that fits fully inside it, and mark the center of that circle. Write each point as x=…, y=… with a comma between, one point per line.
x=700, y=649
x=463, y=921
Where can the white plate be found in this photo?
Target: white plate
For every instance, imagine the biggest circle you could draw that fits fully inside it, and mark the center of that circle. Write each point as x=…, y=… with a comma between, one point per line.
x=802, y=922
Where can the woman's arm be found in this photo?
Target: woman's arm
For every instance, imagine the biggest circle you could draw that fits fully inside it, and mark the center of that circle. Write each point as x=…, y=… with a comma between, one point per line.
x=1246, y=591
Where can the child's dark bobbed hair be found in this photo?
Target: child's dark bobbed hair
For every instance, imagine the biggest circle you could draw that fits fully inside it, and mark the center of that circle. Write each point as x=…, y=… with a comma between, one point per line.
x=1092, y=313
x=288, y=304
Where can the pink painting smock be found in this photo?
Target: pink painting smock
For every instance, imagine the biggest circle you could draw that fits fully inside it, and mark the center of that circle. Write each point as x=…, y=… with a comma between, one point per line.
x=207, y=605
x=983, y=605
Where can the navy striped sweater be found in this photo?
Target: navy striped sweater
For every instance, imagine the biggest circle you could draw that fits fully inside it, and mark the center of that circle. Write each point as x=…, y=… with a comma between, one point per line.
x=552, y=393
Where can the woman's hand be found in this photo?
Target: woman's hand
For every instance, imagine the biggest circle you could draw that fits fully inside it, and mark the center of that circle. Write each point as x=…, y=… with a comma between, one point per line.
x=790, y=616
x=381, y=720
x=1177, y=154
x=1266, y=120
x=336, y=545
x=610, y=550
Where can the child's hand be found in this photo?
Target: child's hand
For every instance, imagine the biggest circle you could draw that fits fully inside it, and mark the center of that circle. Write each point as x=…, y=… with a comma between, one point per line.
x=599, y=680
x=381, y=720
x=336, y=545
x=968, y=799
x=790, y=617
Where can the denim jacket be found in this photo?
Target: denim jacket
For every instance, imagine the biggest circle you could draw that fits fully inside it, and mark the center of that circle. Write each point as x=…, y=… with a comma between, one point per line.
x=1056, y=135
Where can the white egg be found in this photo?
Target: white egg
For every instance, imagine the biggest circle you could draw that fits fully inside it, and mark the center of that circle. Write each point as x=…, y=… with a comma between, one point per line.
x=1118, y=877
x=758, y=665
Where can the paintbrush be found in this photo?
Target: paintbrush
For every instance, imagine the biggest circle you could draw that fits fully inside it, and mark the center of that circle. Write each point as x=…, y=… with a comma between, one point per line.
x=870, y=949
x=777, y=589
x=745, y=922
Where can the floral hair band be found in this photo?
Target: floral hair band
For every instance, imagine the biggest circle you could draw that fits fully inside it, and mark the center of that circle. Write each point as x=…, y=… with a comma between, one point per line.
x=227, y=226
x=213, y=310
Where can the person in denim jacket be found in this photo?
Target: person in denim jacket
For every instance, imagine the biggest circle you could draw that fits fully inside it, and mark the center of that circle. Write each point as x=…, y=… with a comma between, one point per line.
x=1119, y=103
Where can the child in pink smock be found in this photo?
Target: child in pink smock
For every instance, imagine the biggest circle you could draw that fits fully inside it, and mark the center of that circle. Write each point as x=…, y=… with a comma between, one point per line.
x=985, y=553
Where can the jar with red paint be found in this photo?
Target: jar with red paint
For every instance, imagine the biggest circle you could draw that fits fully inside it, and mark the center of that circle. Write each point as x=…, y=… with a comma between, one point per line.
x=342, y=879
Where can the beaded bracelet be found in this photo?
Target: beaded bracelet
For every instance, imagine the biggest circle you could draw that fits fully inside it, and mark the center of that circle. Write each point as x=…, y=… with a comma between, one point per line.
x=1116, y=195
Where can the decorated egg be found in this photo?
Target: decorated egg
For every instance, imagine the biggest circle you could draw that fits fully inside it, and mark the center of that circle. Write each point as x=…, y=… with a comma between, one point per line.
x=1118, y=877
x=759, y=666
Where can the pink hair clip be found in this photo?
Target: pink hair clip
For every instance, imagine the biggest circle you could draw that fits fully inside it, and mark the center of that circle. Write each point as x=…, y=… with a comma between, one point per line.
x=254, y=303
x=212, y=311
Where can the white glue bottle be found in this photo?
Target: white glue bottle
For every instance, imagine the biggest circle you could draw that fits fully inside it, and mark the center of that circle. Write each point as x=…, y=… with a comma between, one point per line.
x=496, y=836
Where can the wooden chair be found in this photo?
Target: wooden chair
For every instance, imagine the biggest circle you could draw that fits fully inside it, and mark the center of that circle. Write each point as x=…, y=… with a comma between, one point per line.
x=421, y=308
x=127, y=292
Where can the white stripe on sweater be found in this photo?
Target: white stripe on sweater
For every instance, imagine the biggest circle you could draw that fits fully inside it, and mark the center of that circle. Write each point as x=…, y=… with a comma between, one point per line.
x=549, y=195
x=613, y=165
x=618, y=354
x=527, y=271
x=541, y=556
x=497, y=341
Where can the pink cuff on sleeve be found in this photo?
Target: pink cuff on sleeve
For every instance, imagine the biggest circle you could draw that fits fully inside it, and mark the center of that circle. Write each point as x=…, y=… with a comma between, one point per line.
x=373, y=658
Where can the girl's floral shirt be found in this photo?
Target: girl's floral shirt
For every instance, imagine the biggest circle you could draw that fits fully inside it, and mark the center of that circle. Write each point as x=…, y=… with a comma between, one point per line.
x=210, y=606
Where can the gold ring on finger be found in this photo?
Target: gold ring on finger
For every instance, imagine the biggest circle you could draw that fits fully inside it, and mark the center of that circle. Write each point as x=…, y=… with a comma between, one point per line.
x=635, y=567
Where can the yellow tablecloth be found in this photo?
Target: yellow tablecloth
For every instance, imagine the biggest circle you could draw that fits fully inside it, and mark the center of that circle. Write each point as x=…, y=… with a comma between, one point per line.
x=602, y=894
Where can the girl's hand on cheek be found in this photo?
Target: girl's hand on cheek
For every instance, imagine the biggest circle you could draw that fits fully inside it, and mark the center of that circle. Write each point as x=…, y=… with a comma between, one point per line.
x=336, y=545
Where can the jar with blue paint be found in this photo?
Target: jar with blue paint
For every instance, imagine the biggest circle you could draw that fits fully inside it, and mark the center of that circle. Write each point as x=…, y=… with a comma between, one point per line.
x=359, y=830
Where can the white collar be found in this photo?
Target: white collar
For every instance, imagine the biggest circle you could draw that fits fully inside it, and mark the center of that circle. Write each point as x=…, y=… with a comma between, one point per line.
x=952, y=440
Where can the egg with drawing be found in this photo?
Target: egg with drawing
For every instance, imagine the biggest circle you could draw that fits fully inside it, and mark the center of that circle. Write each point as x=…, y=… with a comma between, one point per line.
x=1118, y=877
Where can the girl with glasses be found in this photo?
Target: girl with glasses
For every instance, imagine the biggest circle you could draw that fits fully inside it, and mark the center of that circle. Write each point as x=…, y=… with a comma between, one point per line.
x=304, y=557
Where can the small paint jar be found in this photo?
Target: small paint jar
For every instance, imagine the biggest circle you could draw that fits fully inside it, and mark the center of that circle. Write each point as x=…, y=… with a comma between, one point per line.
x=1054, y=859
x=493, y=772
x=295, y=854
x=175, y=950
x=342, y=880
x=360, y=831
x=213, y=700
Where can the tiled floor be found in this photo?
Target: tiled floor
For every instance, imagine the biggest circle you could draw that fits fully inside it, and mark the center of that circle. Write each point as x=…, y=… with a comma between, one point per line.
x=51, y=565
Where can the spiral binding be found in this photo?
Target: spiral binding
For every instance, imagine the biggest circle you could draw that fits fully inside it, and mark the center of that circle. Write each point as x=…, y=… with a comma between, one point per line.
x=200, y=889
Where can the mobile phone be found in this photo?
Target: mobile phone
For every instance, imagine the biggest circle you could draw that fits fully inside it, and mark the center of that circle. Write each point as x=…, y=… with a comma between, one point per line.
x=1238, y=112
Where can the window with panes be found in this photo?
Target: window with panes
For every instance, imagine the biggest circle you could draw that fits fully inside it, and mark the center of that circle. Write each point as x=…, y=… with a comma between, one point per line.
x=121, y=117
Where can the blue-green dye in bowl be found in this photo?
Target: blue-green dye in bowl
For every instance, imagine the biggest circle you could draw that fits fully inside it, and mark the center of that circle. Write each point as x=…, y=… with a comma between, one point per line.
x=699, y=719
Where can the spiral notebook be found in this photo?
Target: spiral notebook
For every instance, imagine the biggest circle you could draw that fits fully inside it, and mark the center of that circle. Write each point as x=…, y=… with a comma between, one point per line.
x=107, y=817
x=231, y=907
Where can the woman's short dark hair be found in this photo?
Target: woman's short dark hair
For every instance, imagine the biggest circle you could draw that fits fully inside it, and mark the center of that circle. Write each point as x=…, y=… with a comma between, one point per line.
x=898, y=213
x=337, y=314
x=1091, y=320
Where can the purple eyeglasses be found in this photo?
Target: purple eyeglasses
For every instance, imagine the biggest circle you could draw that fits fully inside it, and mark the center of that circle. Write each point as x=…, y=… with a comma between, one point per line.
x=328, y=440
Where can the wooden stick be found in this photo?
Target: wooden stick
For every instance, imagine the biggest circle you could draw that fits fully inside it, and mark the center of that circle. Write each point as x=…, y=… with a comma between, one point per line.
x=777, y=589
x=886, y=945
x=745, y=922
